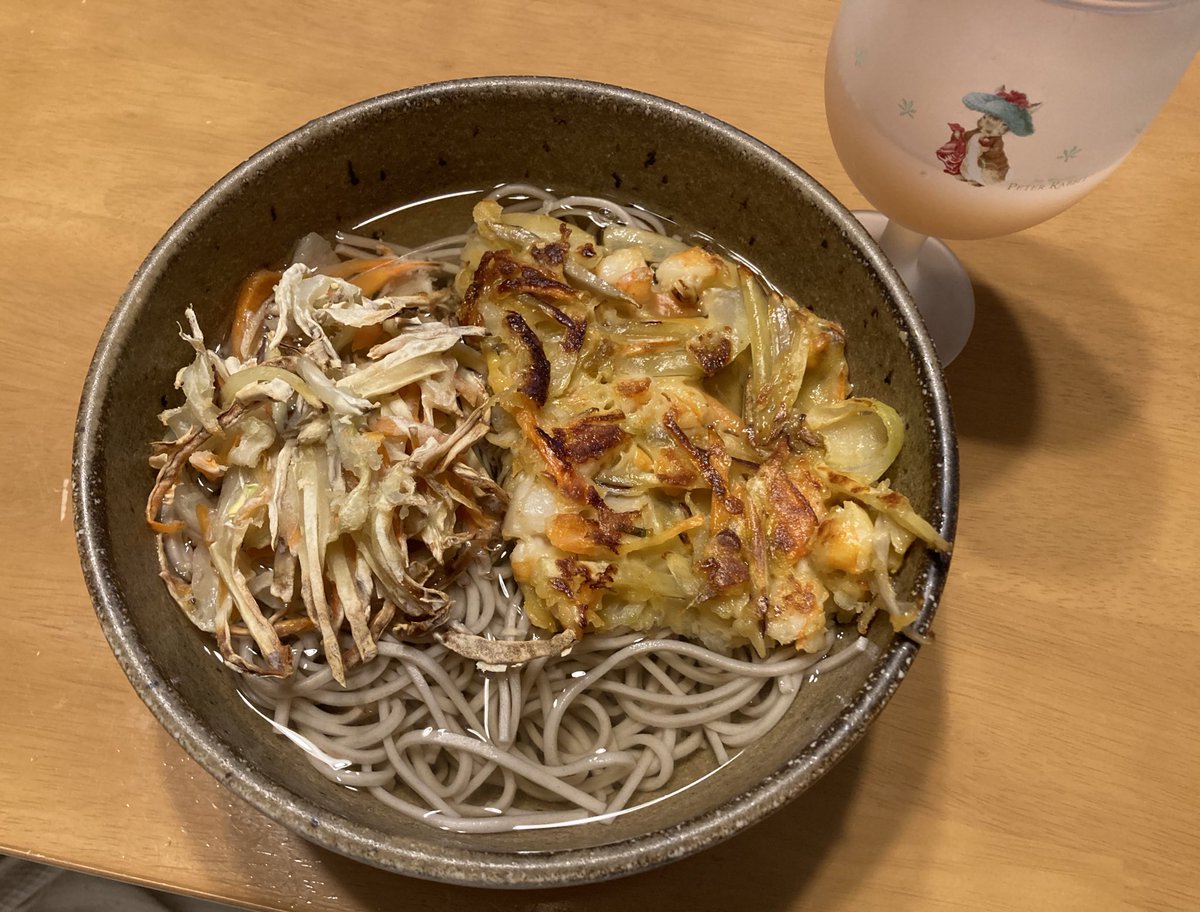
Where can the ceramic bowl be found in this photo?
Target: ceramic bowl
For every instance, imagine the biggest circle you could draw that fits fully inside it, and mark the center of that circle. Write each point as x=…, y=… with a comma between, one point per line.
x=434, y=141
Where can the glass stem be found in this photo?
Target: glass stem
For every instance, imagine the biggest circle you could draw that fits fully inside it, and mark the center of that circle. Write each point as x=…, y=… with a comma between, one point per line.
x=903, y=247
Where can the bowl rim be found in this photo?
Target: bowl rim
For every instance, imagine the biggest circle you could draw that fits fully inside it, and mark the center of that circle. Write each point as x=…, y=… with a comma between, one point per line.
x=453, y=864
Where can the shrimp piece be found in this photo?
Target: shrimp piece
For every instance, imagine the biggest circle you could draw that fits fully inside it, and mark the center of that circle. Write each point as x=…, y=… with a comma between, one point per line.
x=683, y=276
x=626, y=270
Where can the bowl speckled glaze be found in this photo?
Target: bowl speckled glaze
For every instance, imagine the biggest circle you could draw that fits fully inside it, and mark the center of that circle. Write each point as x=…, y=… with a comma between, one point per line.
x=422, y=143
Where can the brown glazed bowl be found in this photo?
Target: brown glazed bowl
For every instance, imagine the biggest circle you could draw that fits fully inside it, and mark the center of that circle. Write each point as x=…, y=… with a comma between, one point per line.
x=427, y=142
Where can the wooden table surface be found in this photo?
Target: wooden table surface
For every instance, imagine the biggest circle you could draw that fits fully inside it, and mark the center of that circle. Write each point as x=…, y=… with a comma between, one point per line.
x=1043, y=754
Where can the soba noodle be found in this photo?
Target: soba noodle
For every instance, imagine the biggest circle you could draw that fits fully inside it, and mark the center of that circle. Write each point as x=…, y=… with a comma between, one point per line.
x=558, y=741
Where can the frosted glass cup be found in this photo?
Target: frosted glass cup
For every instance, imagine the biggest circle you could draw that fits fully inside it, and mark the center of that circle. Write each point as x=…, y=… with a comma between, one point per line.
x=972, y=118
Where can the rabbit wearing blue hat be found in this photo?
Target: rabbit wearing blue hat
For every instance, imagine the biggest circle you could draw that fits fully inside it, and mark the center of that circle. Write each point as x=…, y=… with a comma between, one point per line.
x=977, y=156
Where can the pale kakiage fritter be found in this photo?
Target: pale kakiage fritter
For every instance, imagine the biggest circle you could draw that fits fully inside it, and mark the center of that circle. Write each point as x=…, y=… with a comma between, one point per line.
x=680, y=448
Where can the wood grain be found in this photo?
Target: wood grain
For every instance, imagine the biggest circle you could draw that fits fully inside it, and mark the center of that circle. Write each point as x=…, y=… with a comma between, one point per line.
x=1044, y=753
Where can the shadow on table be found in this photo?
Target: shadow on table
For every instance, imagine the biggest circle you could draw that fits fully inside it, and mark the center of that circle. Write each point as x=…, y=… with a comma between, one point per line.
x=1024, y=363
x=1021, y=355
x=995, y=375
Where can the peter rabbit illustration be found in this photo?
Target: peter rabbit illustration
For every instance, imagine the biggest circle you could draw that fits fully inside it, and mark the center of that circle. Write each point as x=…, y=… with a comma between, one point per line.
x=977, y=156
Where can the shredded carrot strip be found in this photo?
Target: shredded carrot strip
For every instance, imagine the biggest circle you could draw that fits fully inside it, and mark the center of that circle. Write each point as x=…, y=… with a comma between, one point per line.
x=366, y=337
x=666, y=535
x=372, y=273
x=166, y=528
x=354, y=267
x=570, y=532
x=207, y=464
x=202, y=519
x=373, y=280
x=256, y=289
x=386, y=426
x=283, y=627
